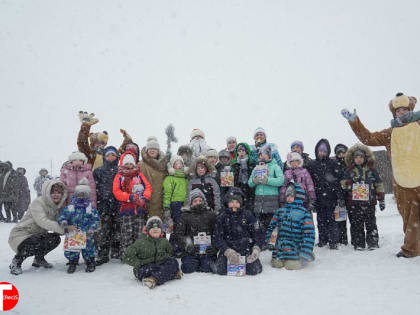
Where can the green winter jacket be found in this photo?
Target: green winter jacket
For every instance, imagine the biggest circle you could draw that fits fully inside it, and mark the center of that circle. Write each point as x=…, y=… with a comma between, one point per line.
x=275, y=180
x=175, y=188
x=147, y=250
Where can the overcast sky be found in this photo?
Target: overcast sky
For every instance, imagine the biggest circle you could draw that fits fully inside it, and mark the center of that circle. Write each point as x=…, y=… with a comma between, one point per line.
x=225, y=67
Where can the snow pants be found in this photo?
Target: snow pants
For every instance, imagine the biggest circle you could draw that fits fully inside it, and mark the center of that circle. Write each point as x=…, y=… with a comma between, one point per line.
x=88, y=253
x=251, y=269
x=327, y=226
x=175, y=216
x=408, y=203
x=201, y=263
x=361, y=218
x=38, y=245
x=108, y=237
x=162, y=272
x=131, y=229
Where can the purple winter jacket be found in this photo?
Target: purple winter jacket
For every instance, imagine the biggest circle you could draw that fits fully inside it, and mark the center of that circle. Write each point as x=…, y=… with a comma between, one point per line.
x=301, y=176
x=71, y=176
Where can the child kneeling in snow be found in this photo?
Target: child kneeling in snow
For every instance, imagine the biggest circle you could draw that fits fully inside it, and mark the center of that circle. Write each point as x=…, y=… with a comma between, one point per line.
x=296, y=234
x=151, y=256
x=79, y=215
x=236, y=235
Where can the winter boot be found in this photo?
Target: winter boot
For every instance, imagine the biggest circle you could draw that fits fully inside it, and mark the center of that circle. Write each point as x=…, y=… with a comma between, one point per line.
x=333, y=246
x=178, y=275
x=291, y=264
x=102, y=261
x=359, y=248
x=41, y=262
x=72, y=266
x=373, y=246
x=90, y=265
x=277, y=263
x=150, y=282
x=16, y=266
x=402, y=254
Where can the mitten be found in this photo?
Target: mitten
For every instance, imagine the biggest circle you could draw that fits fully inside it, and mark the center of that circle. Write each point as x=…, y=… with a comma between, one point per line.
x=232, y=256
x=254, y=255
x=190, y=249
x=211, y=251
x=382, y=205
x=349, y=116
x=134, y=198
x=88, y=119
x=141, y=203
x=311, y=207
x=264, y=179
x=256, y=180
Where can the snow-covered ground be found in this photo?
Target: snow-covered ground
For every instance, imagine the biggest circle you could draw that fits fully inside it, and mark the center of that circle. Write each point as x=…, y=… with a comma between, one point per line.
x=338, y=282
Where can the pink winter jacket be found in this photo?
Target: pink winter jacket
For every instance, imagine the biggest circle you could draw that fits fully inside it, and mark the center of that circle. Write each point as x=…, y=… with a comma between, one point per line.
x=301, y=176
x=71, y=176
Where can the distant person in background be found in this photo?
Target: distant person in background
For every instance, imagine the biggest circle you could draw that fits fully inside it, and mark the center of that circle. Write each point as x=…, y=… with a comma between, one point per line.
x=39, y=181
x=186, y=153
x=260, y=138
x=9, y=192
x=231, y=143
x=24, y=193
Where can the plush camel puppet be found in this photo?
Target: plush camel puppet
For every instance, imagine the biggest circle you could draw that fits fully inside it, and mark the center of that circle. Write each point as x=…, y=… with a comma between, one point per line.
x=402, y=142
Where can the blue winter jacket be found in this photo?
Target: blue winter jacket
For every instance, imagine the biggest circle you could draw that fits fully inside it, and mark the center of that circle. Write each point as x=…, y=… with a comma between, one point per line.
x=275, y=180
x=296, y=233
x=80, y=214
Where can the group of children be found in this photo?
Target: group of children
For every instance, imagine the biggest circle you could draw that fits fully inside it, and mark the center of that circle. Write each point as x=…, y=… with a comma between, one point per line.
x=220, y=209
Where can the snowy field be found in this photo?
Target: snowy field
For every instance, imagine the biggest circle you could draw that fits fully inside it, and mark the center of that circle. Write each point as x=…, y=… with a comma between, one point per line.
x=338, y=282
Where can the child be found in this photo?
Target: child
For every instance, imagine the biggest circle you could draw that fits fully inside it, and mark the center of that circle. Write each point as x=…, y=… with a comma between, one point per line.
x=224, y=173
x=296, y=234
x=326, y=177
x=213, y=157
x=153, y=166
x=82, y=216
x=195, y=234
x=242, y=166
x=151, y=256
x=175, y=188
x=297, y=174
x=132, y=190
x=236, y=235
x=200, y=173
x=340, y=152
x=363, y=197
x=75, y=169
x=108, y=238
x=267, y=177
x=231, y=144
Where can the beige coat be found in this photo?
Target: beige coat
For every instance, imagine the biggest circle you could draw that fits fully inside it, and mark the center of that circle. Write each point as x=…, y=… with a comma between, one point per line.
x=155, y=172
x=40, y=217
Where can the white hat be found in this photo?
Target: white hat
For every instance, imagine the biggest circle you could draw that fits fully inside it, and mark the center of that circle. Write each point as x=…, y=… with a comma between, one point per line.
x=197, y=132
x=294, y=156
x=128, y=158
x=212, y=153
x=152, y=143
x=231, y=138
x=82, y=190
x=78, y=156
x=174, y=159
x=259, y=129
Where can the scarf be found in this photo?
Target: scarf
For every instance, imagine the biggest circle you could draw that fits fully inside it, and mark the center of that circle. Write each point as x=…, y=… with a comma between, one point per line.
x=128, y=175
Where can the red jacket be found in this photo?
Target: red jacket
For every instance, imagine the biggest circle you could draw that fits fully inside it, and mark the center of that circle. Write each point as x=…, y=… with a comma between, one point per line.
x=122, y=194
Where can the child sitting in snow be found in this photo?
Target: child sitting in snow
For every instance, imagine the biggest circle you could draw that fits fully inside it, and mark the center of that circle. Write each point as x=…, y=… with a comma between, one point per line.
x=295, y=231
x=151, y=256
x=80, y=215
x=297, y=174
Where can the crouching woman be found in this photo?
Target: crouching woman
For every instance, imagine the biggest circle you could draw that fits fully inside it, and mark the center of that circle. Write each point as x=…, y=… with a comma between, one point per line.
x=31, y=236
